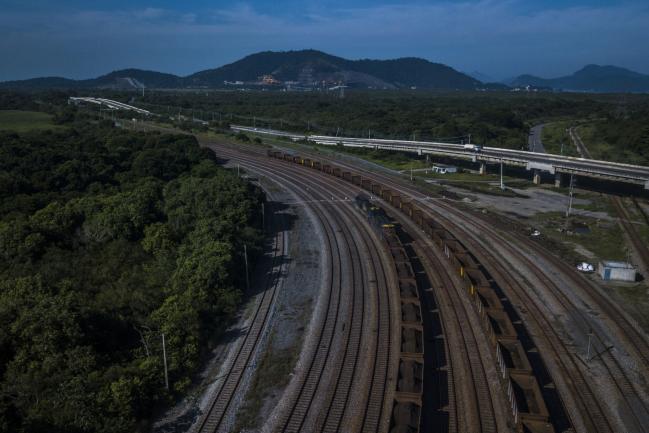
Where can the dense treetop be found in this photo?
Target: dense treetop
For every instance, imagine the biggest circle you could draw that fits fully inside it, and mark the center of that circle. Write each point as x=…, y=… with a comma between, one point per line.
x=108, y=239
x=497, y=119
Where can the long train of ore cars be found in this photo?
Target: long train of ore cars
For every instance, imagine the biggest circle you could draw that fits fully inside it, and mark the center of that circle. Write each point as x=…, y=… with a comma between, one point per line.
x=519, y=382
x=408, y=398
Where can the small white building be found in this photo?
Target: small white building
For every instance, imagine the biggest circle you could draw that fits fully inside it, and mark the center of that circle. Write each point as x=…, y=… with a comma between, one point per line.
x=617, y=271
x=444, y=169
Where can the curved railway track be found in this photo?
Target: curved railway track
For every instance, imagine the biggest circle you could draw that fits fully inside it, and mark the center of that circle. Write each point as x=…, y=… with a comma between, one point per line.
x=480, y=414
x=373, y=414
x=478, y=391
x=634, y=337
x=222, y=400
x=638, y=412
x=594, y=415
x=482, y=238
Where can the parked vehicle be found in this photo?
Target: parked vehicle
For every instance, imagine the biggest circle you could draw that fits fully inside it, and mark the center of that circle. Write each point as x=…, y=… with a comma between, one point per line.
x=585, y=267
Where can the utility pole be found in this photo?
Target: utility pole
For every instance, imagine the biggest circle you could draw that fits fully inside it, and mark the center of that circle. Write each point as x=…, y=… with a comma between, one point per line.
x=245, y=259
x=164, y=357
x=590, y=337
x=238, y=170
x=410, y=172
x=561, y=147
x=570, y=193
x=502, y=184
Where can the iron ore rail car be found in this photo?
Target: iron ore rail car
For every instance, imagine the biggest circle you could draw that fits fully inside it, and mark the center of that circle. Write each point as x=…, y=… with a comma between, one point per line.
x=519, y=382
x=407, y=405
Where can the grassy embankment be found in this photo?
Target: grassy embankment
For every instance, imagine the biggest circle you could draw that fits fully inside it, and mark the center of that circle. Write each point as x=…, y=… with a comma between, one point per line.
x=554, y=134
x=599, y=148
x=602, y=242
x=599, y=136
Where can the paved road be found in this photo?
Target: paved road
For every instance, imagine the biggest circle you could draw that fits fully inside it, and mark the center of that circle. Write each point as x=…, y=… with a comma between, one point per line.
x=534, y=142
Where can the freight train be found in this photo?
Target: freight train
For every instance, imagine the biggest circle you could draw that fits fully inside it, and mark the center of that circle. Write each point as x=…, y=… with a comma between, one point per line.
x=520, y=384
x=406, y=413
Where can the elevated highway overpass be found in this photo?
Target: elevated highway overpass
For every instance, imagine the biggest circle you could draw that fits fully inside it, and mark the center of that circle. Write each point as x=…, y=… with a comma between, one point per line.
x=109, y=103
x=535, y=162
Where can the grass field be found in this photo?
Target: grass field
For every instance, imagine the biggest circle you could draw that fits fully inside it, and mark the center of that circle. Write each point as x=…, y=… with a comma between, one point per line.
x=21, y=121
x=554, y=134
x=603, y=240
x=600, y=149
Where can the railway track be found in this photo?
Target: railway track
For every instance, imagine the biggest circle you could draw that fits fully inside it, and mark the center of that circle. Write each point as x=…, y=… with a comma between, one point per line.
x=583, y=391
x=445, y=210
x=478, y=409
x=222, y=400
x=339, y=174
x=597, y=419
x=636, y=339
x=337, y=405
x=576, y=381
x=485, y=420
x=594, y=418
x=477, y=413
x=638, y=410
x=642, y=252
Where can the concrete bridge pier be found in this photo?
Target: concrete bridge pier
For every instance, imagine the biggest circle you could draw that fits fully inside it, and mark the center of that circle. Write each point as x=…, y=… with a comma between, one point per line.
x=483, y=168
x=537, y=177
x=558, y=180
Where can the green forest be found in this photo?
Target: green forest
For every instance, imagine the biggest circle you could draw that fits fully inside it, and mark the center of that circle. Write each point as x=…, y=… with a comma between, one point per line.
x=109, y=239
x=497, y=119
x=618, y=123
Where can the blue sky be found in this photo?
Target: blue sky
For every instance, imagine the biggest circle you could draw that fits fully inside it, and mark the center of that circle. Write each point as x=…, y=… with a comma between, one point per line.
x=500, y=38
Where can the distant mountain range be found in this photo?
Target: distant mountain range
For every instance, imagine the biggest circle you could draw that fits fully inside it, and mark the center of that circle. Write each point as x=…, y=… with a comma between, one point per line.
x=124, y=79
x=306, y=68
x=591, y=78
x=314, y=69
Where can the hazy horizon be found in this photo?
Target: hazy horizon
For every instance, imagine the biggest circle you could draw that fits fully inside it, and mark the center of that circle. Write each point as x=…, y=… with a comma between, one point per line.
x=498, y=38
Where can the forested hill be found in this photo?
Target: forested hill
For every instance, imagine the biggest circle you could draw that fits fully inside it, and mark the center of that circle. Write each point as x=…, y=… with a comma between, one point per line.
x=108, y=239
x=307, y=68
x=310, y=66
x=592, y=78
